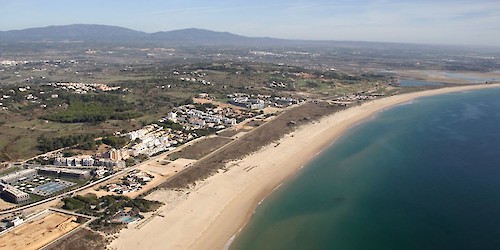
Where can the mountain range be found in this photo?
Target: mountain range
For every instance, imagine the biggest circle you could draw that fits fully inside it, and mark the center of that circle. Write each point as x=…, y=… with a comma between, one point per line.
x=106, y=34
x=95, y=33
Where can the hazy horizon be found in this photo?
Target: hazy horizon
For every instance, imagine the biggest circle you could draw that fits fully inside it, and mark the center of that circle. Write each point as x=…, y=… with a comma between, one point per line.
x=451, y=22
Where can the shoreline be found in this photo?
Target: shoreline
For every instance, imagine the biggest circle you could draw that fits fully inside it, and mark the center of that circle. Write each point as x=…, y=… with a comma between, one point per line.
x=214, y=213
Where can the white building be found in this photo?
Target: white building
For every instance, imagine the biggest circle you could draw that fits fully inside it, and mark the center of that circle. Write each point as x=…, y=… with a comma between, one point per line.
x=13, y=194
x=139, y=134
x=172, y=116
x=16, y=221
x=84, y=160
x=17, y=176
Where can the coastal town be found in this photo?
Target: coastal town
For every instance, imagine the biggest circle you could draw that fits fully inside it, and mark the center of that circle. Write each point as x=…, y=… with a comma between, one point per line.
x=118, y=169
x=55, y=174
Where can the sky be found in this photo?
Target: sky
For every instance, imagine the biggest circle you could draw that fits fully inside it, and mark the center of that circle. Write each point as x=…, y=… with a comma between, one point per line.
x=464, y=22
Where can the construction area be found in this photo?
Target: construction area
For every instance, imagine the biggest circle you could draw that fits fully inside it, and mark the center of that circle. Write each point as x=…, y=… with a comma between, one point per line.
x=36, y=233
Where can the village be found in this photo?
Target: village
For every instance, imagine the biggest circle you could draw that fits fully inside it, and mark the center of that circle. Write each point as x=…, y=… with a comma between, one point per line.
x=53, y=90
x=32, y=182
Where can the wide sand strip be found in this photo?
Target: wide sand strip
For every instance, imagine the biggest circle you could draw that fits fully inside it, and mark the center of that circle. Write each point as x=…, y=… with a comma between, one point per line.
x=210, y=215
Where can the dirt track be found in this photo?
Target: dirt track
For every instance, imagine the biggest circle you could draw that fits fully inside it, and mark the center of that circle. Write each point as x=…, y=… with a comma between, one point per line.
x=200, y=149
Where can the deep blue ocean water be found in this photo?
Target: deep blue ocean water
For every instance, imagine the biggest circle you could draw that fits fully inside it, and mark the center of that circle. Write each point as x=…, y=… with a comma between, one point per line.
x=424, y=175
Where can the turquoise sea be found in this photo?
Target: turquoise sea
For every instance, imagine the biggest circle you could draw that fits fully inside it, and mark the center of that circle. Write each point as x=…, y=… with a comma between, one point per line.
x=423, y=175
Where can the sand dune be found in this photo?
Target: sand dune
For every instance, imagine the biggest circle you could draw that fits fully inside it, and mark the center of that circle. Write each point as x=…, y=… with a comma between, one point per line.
x=208, y=216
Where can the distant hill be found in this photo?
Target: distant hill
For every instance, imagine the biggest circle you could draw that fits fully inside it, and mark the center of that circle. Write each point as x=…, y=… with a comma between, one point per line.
x=94, y=33
x=200, y=35
x=74, y=32
x=105, y=33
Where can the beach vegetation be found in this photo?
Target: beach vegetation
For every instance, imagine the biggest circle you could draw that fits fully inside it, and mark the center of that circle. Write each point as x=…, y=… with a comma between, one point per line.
x=106, y=207
x=115, y=141
x=83, y=141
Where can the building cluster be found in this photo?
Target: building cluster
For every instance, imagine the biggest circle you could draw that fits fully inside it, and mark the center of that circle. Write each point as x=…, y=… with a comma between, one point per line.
x=194, y=76
x=26, y=93
x=153, y=139
x=196, y=80
x=152, y=143
x=356, y=97
x=19, y=94
x=8, y=63
x=46, y=62
x=110, y=159
x=140, y=133
x=65, y=173
x=259, y=101
x=83, y=160
x=196, y=117
x=283, y=102
x=265, y=53
x=280, y=85
x=149, y=140
x=249, y=103
x=37, y=66
x=83, y=88
x=130, y=183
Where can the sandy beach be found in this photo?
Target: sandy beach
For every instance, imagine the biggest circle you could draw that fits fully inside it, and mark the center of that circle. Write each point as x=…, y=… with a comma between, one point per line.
x=209, y=215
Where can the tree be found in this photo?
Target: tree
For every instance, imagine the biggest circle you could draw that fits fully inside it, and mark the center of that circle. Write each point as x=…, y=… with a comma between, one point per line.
x=115, y=141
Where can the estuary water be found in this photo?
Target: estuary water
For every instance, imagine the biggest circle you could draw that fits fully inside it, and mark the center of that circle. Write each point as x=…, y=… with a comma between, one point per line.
x=423, y=175
x=417, y=83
